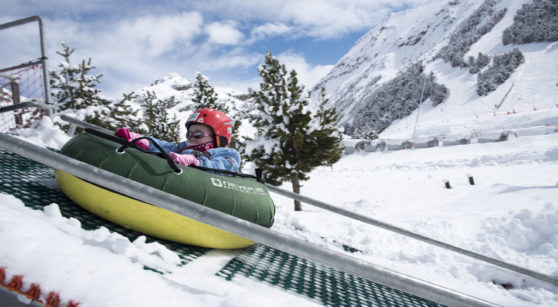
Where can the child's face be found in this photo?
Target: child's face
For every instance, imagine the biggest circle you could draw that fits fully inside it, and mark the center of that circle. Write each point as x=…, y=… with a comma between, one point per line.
x=202, y=128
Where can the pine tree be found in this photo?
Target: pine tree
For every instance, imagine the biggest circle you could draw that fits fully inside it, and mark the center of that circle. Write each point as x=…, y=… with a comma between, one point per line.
x=157, y=118
x=326, y=141
x=72, y=86
x=120, y=114
x=534, y=22
x=366, y=132
x=500, y=70
x=206, y=97
x=289, y=141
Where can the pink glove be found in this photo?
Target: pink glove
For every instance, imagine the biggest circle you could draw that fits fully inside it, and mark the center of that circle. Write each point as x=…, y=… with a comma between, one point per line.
x=128, y=135
x=185, y=160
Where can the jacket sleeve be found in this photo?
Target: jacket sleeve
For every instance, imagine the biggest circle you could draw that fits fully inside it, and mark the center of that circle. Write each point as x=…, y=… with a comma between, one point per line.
x=167, y=146
x=222, y=158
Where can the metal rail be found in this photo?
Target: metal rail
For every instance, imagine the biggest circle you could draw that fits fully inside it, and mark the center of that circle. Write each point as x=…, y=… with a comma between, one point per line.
x=76, y=122
x=240, y=227
x=26, y=104
x=512, y=267
x=28, y=64
x=44, y=59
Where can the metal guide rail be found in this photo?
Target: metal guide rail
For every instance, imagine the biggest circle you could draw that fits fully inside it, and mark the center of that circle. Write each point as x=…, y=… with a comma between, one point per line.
x=269, y=237
x=34, y=184
x=365, y=219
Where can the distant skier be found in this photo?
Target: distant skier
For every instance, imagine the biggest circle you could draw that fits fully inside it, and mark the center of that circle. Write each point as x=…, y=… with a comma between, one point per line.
x=209, y=134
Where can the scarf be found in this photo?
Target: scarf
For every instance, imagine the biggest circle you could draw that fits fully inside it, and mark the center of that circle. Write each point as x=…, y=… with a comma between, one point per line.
x=202, y=147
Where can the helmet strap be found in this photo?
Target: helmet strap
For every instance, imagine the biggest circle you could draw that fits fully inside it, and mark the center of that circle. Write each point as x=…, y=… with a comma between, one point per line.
x=221, y=141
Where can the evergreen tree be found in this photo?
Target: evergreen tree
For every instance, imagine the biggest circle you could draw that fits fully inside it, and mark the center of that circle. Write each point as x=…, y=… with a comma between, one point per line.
x=366, y=132
x=123, y=115
x=326, y=141
x=120, y=114
x=157, y=118
x=289, y=141
x=482, y=21
x=395, y=99
x=206, y=97
x=534, y=22
x=500, y=70
x=73, y=87
x=476, y=65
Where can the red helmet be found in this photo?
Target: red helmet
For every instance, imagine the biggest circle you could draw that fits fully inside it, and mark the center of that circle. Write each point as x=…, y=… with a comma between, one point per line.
x=217, y=120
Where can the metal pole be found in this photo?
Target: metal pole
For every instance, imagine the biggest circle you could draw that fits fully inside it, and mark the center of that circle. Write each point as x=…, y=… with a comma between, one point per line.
x=240, y=227
x=31, y=63
x=83, y=124
x=44, y=58
x=18, y=22
x=547, y=278
x=25, y=105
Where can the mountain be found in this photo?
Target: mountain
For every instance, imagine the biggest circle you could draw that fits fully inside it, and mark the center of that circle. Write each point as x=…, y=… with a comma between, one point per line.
x=173, y=85
x=178, y=92
x=447, y=60
x=507, y=212
x=510, y=213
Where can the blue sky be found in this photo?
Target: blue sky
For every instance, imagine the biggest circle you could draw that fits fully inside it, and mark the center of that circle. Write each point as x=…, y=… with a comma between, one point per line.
x=133, y=43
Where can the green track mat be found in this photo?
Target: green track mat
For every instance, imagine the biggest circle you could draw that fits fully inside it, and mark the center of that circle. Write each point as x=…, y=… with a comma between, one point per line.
x=34, y=184
x=326, y=286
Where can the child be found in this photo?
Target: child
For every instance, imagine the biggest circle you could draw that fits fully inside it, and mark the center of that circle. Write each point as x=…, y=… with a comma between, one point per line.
x=209, y=134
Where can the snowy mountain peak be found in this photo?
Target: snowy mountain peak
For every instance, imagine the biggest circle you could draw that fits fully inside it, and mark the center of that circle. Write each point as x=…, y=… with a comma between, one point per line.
x=174, y=81
x=404, y=38
x=183, y=89
x=455, y=42
x=173, y=87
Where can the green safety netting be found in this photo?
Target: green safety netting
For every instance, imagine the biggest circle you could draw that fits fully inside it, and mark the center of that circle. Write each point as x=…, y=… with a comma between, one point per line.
x=35, y=185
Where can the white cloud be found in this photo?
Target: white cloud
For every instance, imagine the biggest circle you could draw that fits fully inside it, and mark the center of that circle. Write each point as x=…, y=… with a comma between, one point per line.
x=224, y=33
x=308, y=18
x=308, y=75
x=238, y=58
x=136, y=43
x=269, y=30
x=134, y=51
x=159, y=34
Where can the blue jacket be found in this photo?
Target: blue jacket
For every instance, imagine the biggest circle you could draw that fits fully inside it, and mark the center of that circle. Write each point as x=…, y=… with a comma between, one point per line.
x=221, y=158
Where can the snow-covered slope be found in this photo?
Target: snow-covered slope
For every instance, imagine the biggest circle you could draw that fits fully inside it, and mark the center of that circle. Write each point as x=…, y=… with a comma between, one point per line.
x=380, y=54
x=510, y=213
x=418, y=35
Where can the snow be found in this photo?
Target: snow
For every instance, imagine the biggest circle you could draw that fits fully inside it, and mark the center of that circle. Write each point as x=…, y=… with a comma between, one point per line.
x=510, y=214
x=526, y=101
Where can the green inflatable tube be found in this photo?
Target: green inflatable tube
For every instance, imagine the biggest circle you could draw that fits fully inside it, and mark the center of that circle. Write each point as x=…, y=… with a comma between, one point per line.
x=245, y=198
